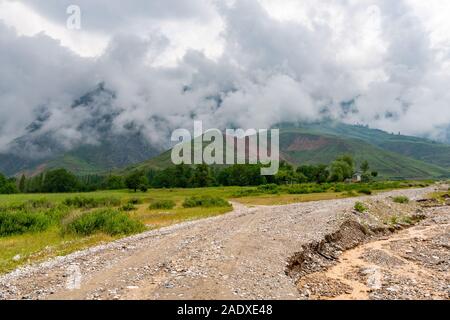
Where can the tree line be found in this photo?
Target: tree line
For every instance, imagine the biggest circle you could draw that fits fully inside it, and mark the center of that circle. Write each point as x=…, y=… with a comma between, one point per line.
x=186, y=176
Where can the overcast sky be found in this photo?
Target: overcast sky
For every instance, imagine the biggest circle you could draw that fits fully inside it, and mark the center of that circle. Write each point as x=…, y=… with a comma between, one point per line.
x=242, y=63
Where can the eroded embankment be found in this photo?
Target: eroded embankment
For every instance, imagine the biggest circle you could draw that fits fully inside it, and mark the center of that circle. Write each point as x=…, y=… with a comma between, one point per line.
x=386, y=260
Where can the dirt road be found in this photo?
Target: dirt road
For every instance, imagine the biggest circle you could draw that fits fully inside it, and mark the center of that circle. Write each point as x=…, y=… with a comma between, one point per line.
x=240, y=255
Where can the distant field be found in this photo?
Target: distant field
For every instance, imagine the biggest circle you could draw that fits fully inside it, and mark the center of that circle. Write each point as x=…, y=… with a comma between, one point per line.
x=52, y=238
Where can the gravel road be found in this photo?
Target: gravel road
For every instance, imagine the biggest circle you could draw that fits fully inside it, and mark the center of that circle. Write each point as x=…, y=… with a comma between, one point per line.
x=240, y=255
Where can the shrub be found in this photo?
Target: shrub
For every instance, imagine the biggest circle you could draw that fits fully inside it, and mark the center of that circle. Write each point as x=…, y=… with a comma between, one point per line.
x=135, y=201
x=108, y=221
x=360, y=207
x=401, y=199
x=20, y=222
x=88, y=203
x=245, y=193
x=365, y=191
x=39, y=204
x=298, y=190
x=162, y=204
x=268, y=188
x=205, y=202
x=351, y=193
x=128, y=207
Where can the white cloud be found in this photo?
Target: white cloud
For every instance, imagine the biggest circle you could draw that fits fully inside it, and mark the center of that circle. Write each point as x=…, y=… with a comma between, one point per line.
x=251, y=64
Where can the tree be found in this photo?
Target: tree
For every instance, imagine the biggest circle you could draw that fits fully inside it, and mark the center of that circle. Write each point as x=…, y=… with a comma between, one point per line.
x=182, y=175
x=349, y=160
x=202, y=176
x=374, y=174
x=114, y=183
x=135, y=180
x=7, y=186
x=22, y=184
x=365, y=166
x=340, y=170
x=60, y=180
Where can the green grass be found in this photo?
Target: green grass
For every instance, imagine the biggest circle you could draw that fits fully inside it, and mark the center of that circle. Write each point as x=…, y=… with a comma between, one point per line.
x=365, y=191
x=401, y=199
x=37, y=247
x=91, y=202
x=162, y=204
x=108, y=221
x=360, y=207
x=20, y=222
x=205, y=202
x=37, y=239
x=155, y=219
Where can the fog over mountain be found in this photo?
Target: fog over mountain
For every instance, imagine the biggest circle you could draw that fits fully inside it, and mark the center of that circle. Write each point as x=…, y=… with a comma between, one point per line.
x=159, y=64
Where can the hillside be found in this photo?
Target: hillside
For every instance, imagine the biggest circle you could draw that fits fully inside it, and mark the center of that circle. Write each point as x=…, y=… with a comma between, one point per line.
x=299, y=146
x=302, y=148
x=393, y=155
x=39, y=150
x=418, y=148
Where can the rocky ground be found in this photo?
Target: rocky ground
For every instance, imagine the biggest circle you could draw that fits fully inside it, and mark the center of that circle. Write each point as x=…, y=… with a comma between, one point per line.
x=279, y=252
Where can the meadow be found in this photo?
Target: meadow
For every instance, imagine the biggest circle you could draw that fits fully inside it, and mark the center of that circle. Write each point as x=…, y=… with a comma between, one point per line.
x=35, y=227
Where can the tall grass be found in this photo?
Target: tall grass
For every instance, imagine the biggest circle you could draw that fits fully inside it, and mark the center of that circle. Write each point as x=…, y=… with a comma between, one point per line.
x=19, y=222
x=109, y=221
x=205, y=202
x=89, y=203
x=401, y=199
x=162, y=204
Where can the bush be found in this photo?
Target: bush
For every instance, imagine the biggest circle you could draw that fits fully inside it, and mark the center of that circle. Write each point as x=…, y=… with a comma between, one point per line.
x=268, y=188
x=206, y=202
x=20, y=222
x=360, y=207
x=88, y=203
x=128, y=207
x=298, y=190
x=401, y=199
x=108, y=221
x=135, y=201
x=39, y=204
x=245, y=193
x=365, y=191
x=162, y=204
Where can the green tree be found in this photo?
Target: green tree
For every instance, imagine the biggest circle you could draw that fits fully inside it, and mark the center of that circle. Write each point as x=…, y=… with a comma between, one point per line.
x=340, y=170
x=22, y=184
x=202, y=176
x=365, y=166
x=114, y=183
x=7, y=186
x=182, y=175
x=60, y=180
x=349, y=160
x=135, y=180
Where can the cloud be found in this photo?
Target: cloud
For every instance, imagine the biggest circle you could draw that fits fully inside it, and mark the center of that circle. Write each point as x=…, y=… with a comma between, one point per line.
x=245, y=63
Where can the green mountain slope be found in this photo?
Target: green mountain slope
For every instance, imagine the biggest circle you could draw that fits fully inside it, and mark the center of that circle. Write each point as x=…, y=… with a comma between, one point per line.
x=418, y=148
x=307, y=146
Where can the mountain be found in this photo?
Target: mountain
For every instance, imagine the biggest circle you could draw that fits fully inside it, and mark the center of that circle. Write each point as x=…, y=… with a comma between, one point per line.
x=100, y=148
x=417, y=148
x=322, y=143
x=39, y=150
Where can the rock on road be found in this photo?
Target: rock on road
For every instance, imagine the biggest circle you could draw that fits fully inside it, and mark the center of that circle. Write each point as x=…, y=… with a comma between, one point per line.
x=240, y=255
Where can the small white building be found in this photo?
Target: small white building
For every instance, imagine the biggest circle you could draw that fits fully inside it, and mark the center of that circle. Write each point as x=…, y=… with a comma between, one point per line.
x=357, y=177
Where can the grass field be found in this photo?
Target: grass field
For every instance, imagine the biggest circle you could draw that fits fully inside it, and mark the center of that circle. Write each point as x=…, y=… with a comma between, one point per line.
x=52, y=239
